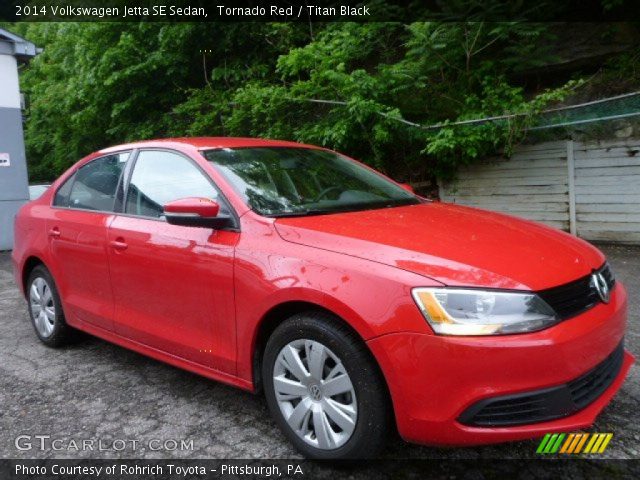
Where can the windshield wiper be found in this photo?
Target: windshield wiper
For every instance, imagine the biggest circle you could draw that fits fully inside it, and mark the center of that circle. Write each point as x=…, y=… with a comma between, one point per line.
x=354, y=207
x=302, y=213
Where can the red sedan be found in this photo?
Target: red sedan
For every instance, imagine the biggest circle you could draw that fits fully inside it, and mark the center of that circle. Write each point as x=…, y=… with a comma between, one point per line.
x=353, y=304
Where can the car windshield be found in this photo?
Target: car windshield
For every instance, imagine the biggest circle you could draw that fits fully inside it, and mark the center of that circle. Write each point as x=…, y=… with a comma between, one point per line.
x=284, y=181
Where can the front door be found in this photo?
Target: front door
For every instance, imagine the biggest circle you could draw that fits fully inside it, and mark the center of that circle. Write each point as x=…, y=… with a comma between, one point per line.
x=173, y=285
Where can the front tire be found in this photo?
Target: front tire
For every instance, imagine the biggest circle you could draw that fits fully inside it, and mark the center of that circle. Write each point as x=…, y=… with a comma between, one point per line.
x=324, y=389
x=45, y=309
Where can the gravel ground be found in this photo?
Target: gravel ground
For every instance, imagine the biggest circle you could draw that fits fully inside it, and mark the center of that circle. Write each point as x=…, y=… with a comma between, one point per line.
x=95, y=390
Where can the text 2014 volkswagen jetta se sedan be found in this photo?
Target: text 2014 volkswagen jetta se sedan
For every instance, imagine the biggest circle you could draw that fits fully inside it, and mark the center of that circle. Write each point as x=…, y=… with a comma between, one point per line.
x=355, y=305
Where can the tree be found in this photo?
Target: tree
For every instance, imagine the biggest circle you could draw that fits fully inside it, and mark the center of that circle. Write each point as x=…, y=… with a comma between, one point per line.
x=362, y=88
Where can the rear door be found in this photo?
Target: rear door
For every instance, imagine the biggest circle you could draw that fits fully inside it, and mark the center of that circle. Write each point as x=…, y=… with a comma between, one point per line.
x=173, y=285
x=81, y=213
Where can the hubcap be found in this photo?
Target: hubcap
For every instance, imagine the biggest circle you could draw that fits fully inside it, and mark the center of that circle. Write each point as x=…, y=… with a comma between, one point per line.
x=315, y=394
x=43, y=310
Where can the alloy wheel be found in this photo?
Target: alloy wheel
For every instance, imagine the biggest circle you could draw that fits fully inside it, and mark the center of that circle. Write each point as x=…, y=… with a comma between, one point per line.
x=42, y=306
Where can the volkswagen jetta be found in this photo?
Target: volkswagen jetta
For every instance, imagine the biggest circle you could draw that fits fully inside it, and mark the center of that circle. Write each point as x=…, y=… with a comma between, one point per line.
x=353, y=304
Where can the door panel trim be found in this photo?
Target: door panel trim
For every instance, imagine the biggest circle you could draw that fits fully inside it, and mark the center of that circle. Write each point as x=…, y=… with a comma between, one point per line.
x=160, y=355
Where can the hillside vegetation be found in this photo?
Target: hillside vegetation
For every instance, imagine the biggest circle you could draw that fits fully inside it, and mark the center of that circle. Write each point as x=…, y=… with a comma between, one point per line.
x=357, y=88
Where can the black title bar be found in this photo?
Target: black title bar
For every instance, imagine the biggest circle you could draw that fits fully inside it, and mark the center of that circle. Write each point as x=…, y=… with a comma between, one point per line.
x=319, y=10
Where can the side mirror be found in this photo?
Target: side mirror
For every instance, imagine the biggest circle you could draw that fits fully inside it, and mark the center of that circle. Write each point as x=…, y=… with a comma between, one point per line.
x=195, y=212
x=407, y=187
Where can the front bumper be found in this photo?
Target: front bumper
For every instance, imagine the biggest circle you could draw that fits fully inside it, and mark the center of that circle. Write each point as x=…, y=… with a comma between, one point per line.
x=434, y=379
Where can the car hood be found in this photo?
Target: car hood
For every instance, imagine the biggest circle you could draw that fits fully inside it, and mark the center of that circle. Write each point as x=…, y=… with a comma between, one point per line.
x=452, y=244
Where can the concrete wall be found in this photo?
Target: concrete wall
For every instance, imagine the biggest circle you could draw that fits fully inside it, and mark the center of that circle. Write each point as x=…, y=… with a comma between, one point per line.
x=14, y=190
x=590, y=189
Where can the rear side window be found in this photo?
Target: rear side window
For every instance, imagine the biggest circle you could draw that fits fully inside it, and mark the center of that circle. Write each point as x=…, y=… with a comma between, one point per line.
x=62, y=195
x=160, y=177
x=95, y=184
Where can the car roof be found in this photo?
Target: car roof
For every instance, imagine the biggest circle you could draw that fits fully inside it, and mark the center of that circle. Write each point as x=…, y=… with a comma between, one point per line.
x=205, y=143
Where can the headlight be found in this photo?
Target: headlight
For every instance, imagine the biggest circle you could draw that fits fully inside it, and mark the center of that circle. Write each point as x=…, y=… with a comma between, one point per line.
x=459, y=311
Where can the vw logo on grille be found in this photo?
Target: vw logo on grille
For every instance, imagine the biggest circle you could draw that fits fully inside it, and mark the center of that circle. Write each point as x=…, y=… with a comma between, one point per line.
x=600, y=284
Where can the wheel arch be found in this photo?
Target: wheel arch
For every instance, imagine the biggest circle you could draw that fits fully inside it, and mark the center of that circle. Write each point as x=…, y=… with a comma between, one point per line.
x=29, y=264
x=280, y=313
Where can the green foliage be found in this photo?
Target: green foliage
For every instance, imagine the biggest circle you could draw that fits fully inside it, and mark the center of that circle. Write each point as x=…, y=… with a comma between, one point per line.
x=462, y=144
x=98, y=84
x=348, y=86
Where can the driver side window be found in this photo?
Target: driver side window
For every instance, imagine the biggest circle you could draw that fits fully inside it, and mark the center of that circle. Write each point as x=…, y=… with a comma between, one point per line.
x=160, y=177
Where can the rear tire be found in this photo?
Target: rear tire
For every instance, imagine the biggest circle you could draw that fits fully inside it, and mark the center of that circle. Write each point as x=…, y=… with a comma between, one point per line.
x=324, y=389
x=45, y=309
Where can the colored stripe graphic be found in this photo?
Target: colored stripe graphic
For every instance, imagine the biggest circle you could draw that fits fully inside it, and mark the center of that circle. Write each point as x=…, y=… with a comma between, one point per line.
x=556, y=446
x=567, y=443
x=574, y=443
x=591, y=442
x=543, y=443
x=581, y=443
x=550, y=443
x=605, y=443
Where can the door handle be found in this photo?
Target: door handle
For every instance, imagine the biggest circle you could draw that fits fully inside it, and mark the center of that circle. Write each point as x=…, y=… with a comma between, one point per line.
x=54, y=232
x=118, y=244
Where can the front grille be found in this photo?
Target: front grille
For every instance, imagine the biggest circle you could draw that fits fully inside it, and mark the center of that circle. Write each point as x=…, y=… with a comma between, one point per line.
x=547, y=404
x=574, y=298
